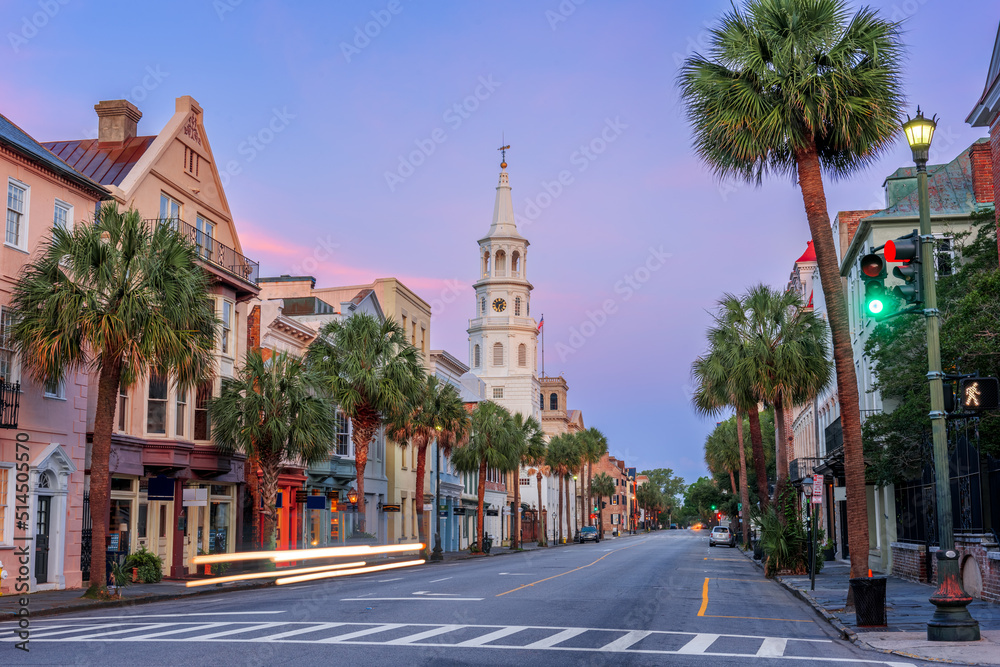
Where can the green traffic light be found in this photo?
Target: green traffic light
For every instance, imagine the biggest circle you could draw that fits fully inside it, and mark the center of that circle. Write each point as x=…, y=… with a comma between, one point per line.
x=875, y=306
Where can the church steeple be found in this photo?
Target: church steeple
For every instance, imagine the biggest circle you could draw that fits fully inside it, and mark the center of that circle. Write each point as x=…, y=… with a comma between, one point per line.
x=503, y=208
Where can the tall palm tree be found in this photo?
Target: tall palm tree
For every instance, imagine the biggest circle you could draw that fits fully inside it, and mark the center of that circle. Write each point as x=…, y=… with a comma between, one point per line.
x=436, y=411
x=541, y=469
x=792, y=88
x=530, y=446
x=560, y=457
x=372, y=373
x=721, y=452
x=595, y=447
x=574, y=465
x=121, y=298
x=604, y=487
x=273, y=410
x=492, y=444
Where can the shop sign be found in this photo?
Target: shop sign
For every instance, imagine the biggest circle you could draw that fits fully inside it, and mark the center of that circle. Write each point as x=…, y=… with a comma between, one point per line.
x=195, y=497
x=392, y=508
x=443, y=513
x=300, y=496
x=428, y=507
x=316, y=503
x=492, y=512
x=459, y=511
x=161, y=488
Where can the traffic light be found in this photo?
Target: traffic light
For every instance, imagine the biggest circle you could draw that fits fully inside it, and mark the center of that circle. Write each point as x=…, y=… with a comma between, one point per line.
x=907, y=250
x=603, y=504
x=979, y=393
x=713, y=508
x=877, y=302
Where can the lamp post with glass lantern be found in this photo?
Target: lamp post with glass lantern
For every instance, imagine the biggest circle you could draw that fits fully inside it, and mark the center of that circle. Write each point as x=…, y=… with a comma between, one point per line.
x=951, y=620
x=437, y=554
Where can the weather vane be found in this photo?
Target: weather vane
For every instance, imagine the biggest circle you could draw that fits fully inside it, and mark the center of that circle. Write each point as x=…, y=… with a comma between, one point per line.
x=503, y=153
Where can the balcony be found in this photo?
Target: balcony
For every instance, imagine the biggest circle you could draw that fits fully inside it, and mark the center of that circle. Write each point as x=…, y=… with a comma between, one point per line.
x=215, y=253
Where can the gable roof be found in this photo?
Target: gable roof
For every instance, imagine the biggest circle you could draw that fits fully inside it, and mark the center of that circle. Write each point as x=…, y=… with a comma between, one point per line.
x=21, y=142
x=107, y=163
x=986, y=108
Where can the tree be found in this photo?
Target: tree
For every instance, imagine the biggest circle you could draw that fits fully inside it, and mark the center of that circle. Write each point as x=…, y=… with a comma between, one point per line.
x=436, y=411
x=372, y=373
x=540, y=469
x=492, y=444
x=701, y=496
x=604, y=487
x=668, y=484
x=595, y=446
x=563, y=458
x=273, y=410
x=530, y=446
x=793, y=88
x=123, y=299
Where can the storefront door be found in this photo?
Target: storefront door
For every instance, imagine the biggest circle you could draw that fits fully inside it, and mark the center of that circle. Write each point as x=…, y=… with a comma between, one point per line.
x=42, y=527
x=160, y=534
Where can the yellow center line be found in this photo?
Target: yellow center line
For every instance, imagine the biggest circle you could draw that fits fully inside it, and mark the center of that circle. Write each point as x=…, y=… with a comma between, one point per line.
x=704, y=598
x=555, y=576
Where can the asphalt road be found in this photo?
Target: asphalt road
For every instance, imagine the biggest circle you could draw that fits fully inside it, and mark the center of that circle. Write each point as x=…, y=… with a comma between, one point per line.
x=666, y=598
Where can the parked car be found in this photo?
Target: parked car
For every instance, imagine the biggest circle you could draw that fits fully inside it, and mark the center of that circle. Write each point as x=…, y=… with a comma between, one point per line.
x=673, y=526
x=588, y=533
x=721, y=535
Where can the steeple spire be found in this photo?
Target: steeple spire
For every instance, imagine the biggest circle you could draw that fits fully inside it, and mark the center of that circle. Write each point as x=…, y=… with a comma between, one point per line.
x=503, y=210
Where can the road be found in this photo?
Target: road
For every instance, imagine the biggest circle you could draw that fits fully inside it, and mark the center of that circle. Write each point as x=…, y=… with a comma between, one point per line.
x=665, y=598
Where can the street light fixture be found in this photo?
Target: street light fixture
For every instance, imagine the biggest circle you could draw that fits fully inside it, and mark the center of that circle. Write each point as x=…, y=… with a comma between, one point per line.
x=951, y=620
x=437, y=554
x=352, y=496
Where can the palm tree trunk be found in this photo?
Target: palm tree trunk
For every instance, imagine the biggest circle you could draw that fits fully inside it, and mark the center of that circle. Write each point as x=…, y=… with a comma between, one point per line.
x=569, y=512
x=560, y=493
x=481, y=491
x=270, y=468
x=780, y=446
x=814, y=198
x=100, y=475
x=732, y=482
x=421, y=467
x=590, y=488
x=515, y=533
x=542, y=528
x=364, y=432
x=759, y=463
x=744, y=490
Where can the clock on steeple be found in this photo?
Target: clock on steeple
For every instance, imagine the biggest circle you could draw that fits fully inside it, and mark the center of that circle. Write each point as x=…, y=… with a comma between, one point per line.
x=499, y=305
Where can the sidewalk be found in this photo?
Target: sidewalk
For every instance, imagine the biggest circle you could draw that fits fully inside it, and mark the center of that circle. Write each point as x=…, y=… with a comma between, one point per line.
x=907, y=612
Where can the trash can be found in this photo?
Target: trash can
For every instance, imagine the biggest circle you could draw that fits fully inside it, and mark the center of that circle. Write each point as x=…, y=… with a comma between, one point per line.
x=869, y=601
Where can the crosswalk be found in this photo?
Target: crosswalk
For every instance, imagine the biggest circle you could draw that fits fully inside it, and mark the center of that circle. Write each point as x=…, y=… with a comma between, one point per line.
x=448, y=635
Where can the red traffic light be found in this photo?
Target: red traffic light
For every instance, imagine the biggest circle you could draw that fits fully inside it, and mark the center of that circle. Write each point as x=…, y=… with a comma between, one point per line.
x=902, y=249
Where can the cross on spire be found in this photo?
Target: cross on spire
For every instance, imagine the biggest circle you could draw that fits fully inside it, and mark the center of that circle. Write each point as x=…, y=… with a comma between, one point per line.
x=503, y=153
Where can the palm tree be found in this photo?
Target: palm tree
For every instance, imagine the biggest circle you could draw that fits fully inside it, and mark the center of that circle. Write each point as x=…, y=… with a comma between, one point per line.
x=272, y=411
x=373, y=374
x=560, y=459
x=492, y=444
x=530, y=445
x=436, y=411
x=122, y=299
x=604, y=487
x=792, y=87
x=541, y=469
x=595, y=447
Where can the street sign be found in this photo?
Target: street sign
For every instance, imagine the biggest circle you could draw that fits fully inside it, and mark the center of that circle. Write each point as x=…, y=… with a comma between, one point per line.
x=393, y=508
x=428, y=507
x=443, y=513
x=817, y=490
x=459, y=511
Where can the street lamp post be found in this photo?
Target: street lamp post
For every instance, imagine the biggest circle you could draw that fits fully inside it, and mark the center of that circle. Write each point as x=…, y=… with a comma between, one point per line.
x=951, y=620
x=437, y=554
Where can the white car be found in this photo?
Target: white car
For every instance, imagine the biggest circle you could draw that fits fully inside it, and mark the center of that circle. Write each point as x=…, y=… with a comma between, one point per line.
x=721, y=535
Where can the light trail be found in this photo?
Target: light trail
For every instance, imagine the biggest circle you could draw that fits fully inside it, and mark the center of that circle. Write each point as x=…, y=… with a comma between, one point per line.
x=264, y=575
x=344, y=573
x=306, y=554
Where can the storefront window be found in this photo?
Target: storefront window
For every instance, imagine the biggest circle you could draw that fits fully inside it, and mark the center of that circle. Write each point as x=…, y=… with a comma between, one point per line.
x=202, y=427
x=218, y=527
x=121, y=514
x=140, y=521
x=334, y=527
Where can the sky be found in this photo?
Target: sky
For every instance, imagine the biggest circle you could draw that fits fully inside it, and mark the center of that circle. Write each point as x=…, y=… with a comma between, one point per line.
x=363, y=141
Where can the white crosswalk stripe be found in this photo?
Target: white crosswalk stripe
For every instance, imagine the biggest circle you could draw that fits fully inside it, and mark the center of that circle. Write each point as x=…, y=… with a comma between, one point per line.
x=435, y=635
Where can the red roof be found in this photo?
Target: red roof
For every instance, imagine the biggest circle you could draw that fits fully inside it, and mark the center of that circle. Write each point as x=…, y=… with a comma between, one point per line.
x=107, y=163
x=809, y=255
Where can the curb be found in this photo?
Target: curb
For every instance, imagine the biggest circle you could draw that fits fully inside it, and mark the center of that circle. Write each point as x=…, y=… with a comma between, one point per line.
x=132, y=602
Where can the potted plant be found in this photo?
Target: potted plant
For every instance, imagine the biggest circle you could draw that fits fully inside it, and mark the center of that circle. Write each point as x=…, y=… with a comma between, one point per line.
x=829, y=550
x=145, y=566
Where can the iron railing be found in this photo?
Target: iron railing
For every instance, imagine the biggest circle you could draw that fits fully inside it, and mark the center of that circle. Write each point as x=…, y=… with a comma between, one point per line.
x=10, y=399
x=214, y=252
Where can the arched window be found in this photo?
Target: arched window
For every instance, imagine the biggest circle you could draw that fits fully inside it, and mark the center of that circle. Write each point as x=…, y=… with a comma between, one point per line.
x=515, y=263
x=486, y=264
x=482, y=306
x=517, y=305
x=541, y=401
x=475, y=357
x=501, y=263
x=553, y=401
x=522, y=355
x=498, y=354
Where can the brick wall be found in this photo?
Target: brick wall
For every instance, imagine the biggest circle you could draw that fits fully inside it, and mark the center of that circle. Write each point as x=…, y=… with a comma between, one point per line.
x=909, y=561
x=253, y=328
x=995, y=159
x=848, y=222
x=983, y=184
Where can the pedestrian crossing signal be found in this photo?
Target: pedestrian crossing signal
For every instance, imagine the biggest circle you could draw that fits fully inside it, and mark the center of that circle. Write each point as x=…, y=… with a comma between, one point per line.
x=979, y=393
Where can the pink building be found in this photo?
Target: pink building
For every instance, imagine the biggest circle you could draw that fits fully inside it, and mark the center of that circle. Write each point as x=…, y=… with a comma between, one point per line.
x=50, y=424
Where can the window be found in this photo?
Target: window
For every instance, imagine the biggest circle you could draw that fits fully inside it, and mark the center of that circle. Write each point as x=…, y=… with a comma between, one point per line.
x=553, y=401
x=5, y=487
x=343, y=435
x=541, y=401
x=482, y=306
x=17, y=207
x=156, y=408
x=122, y=406
x=486, y=263
x=204, y=236
x=517, y=305
x=192, y=162
x=62, y=216
x=515, y=263
x=181, y=406
x=475, y=356
x=404, y=325
x=944, y=257
x=522, y=355
x=525, y=481
x=227, y=327
x=497, y=392
x=500, y=268
x=202, y=424
x=170, y=208
x=413, y=334
x=54, y=389
x=498, y=354
x=8, y=365
x=614, y=499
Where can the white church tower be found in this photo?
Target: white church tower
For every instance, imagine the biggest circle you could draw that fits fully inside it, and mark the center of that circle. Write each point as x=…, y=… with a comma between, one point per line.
x=503, y=337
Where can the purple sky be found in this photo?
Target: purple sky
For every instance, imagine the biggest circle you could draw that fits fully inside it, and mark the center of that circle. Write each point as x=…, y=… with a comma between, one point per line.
x=552, y=83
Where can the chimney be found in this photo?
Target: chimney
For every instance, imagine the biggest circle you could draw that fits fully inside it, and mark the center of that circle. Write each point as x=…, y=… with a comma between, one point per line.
x=981, y=157
x=117, y=121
